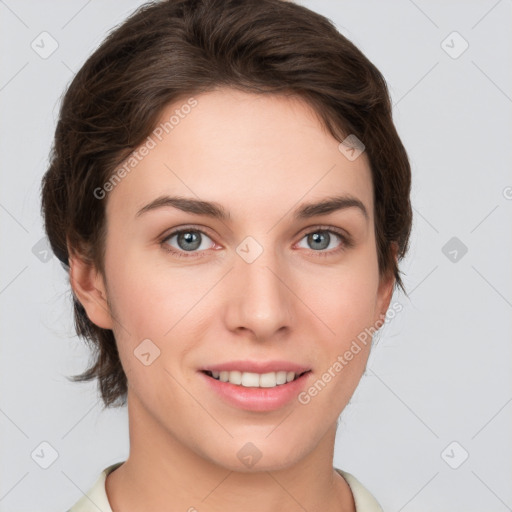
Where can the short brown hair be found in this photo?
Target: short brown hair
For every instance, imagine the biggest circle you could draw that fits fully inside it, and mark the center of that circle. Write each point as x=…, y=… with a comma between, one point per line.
x=176, y=48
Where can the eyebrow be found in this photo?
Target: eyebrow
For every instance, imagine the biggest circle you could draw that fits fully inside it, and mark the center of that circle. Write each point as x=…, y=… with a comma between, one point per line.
x=217, y=211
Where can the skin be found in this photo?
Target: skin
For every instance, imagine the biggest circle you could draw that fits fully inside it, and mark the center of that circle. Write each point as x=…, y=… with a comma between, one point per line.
x=260, y=157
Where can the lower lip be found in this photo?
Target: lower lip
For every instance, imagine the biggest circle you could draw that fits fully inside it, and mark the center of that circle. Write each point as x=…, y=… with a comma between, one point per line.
x=258, y=399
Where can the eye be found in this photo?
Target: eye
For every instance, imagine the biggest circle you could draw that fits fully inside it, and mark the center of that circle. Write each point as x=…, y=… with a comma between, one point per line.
x=187, y=241
x=322, y=239
x=192, y=242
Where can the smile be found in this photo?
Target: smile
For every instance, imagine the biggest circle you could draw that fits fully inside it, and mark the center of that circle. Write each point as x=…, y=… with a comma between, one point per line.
x=255, y=380
x=256, y=392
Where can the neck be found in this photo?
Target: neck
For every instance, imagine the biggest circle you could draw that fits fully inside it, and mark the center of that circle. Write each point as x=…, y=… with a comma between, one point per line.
x=161, y=473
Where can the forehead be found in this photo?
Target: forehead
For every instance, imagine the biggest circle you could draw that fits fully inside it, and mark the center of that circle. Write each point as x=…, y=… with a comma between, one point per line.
x=245, y=151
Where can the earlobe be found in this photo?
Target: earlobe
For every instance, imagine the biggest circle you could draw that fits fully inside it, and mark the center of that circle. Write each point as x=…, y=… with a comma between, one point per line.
x=89, y=288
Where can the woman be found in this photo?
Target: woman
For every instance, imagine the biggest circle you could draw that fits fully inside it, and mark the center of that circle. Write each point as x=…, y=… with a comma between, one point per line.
x=231, y=199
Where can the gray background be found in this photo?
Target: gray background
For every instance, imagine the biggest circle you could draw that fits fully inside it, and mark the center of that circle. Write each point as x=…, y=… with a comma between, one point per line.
x=441, y=371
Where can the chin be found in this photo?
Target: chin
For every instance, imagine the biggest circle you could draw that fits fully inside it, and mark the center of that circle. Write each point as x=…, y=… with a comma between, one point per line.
x=253, y=454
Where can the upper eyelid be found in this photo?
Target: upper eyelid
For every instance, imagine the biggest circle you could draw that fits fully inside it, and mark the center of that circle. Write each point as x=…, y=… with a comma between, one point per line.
x=177, y=231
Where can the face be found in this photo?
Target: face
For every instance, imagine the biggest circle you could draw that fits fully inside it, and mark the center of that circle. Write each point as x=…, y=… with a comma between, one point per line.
x=261, y=284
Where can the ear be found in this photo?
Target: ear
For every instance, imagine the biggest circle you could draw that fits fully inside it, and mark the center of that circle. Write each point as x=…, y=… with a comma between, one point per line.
x=89, y=287
x=386, y=287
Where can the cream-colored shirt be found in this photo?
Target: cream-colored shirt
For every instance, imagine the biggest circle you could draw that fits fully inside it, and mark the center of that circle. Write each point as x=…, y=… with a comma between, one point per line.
x=96, y=499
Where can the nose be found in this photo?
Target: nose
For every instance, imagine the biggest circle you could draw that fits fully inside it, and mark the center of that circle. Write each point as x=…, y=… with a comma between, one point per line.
x=258, y=298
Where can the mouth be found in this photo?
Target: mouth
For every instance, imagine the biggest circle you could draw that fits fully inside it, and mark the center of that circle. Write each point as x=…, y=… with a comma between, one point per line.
x=256, y=392
x=255, y=380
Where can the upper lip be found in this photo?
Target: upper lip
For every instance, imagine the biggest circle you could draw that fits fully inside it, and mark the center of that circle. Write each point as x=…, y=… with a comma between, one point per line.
x=257, y=367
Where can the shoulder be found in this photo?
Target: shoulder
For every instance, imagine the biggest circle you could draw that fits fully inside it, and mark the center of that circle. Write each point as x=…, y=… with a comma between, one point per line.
x=96, y=498
x=364, y=500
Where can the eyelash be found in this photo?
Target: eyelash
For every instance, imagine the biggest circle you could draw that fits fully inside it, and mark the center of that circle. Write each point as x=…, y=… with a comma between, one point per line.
x=346, y=242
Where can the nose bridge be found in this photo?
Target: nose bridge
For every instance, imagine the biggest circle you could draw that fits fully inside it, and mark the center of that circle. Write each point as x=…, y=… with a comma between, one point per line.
x=262, y=302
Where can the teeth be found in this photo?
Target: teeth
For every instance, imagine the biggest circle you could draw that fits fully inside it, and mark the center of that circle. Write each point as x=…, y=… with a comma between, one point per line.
x=247, y=379
x=255, y=380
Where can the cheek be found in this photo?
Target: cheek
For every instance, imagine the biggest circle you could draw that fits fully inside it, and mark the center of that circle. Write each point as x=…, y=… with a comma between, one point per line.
x=344, y=298
x=135, y=302
x=155, y=303
x=346, y=306
x=135, y=287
